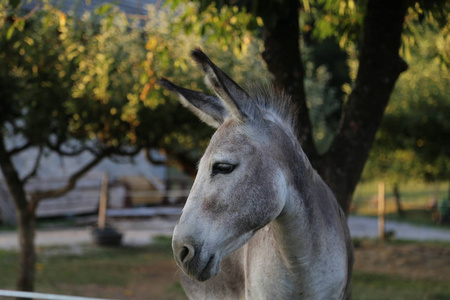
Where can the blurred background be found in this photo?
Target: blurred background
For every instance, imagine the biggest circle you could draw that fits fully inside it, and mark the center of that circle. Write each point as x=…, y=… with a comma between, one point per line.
x=94, y=154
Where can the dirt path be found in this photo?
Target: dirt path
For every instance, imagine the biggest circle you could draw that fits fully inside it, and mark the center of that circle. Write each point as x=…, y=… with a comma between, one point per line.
x=141, y=232
x=137, y=233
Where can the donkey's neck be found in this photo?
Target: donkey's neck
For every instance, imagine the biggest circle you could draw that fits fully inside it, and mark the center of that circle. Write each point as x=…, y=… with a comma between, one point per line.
x=302, y=248
x=292, y=230
x=300, y=233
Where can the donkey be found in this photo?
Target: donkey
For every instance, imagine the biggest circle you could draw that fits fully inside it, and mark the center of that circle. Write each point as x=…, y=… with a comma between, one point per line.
x=259, y=222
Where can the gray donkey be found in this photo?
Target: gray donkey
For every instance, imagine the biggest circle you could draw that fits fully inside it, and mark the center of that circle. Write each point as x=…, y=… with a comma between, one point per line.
x=259, y=222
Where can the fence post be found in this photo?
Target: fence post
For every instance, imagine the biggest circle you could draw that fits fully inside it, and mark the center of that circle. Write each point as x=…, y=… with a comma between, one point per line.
x=381, y=210
x=103, y=202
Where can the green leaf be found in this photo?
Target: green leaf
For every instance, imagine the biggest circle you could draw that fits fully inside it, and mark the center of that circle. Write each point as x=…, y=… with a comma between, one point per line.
x=103, y=9
x=9, y=33
x=14, y=3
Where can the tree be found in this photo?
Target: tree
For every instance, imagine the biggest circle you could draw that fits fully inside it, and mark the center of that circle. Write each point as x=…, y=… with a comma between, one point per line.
x=376, y=26
x=40, y=109
x=71, y=84
x=412, y=140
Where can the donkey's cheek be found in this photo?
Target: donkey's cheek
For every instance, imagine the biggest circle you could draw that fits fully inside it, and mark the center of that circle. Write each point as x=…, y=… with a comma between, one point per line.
x=214, y=206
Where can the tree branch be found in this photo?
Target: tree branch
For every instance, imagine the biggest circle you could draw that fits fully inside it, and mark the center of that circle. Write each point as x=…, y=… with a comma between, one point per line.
x=32, y=12
x=14, y=151
x=282, y=55
x=36, y=196
x=124, y=152
x=35, y=167
x=12, y=179
x=57, y=148
x=153, y=161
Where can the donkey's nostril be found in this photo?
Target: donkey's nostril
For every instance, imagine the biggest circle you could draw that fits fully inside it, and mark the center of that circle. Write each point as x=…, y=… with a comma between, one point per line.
x=183, y=253
x=186, y=253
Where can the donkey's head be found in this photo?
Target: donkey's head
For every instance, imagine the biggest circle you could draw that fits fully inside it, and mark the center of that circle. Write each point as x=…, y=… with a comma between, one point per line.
x=240, y=186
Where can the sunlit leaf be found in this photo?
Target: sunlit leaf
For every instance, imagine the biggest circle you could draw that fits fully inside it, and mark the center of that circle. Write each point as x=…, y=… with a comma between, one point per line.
x=103, y=9
x=10, y=32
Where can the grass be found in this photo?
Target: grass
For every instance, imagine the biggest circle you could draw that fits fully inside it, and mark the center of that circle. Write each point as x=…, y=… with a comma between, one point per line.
x=149, y=273
x=416, y=200
x=116, y=273
x=386, y=287
x=412, y=193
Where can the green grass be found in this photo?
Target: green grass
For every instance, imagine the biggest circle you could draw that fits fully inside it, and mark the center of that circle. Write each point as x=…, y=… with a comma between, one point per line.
x=416, y=216
x=63, y=273
x=416, y=198
x=419, y=193
x=383, y=287
x=104, y=266
x=61, y=270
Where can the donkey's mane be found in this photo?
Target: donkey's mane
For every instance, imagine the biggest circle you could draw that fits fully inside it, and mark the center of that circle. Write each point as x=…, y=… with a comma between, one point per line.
x=275, y=101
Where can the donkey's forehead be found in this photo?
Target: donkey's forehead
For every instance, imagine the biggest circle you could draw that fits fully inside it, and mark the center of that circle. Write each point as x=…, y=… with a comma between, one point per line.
x=231, y=137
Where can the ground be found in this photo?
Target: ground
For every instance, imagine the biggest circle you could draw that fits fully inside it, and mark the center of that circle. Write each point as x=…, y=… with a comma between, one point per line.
x=401, y=271
x=411, y=260
x=392, y=270
x=144, y=268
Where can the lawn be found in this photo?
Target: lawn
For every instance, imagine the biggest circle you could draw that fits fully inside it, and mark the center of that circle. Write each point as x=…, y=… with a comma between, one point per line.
x=384, y=287
x=113, y=273
x=416, y=198
x=382, y=271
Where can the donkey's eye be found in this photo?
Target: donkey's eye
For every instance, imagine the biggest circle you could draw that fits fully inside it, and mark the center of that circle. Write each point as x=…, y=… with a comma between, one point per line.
x=222, y=168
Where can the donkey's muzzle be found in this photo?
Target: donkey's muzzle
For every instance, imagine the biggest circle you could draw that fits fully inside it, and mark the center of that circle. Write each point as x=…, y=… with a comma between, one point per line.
x=193, y=263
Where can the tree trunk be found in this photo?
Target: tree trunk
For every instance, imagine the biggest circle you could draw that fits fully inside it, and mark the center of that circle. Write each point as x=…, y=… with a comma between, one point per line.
x=282, y=55
x=379, y=67
x=26, y=221
x=27, y=262
x=26, y=210
x=398, y=203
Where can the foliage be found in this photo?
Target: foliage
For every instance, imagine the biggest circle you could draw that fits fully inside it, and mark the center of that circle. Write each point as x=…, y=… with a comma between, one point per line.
x=63, y=85
x=71, y=84
x=171, y=37
x=410, y=143
x=413, y=139
x=330, y=23
x=321, y=104
x=97, y=76
x=341, y=20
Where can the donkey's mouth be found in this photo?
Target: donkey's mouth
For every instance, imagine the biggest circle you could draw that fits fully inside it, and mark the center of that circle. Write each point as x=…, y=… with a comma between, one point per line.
x=209, y=270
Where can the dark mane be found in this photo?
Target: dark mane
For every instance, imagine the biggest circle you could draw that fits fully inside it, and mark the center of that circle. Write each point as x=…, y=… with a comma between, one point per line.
x=268, y=98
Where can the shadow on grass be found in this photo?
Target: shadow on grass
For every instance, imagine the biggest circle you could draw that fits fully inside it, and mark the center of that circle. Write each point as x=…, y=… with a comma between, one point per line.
x=386, y=287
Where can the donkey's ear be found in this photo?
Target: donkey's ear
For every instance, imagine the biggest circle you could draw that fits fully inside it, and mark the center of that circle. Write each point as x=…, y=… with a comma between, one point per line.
x=208, y=108
x=233, y=96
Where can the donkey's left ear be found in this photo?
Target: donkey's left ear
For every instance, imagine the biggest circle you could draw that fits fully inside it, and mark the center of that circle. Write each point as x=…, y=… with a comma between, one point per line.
x=236, y=100
x=208, y=108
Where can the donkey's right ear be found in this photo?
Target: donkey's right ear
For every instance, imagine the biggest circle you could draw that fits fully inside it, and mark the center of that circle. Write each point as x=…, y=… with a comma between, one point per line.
x=208, y=108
